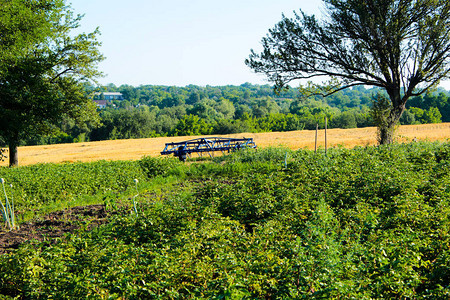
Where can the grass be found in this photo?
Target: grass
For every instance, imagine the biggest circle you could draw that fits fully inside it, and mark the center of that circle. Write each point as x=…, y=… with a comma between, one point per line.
x=137, y=148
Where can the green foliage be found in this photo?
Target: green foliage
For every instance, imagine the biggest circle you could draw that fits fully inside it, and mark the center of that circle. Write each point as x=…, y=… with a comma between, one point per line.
x=272, y=155
x=191, y=125
x=125, y=124
x=43, y=185
x=227, y=109
x=365, y=223
x=344, y=47
x=382, y=117
x=153, y=166
x=345, y=120
x=280, y=122
x=42, y=68
x=438, y=99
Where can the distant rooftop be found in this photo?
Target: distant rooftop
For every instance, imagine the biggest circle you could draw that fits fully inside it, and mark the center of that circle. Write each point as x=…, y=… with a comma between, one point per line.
x=109, y=96
x=101, y=103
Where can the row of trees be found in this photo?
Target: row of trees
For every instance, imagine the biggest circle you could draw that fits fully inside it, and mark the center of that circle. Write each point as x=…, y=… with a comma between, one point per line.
x=247, y=108
x=217, y=102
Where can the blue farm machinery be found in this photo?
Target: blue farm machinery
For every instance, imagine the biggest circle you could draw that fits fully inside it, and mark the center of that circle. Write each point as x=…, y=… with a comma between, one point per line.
x=207, y=145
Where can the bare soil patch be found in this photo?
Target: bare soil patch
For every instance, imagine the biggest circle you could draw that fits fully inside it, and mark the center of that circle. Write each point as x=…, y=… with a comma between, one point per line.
x=53, y=225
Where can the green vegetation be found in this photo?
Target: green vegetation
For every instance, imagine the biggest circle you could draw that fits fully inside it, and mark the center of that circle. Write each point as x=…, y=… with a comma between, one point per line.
x=151, y=111
x=402, y=47
x=44, y=187
x=366, y=223
x=43, y=65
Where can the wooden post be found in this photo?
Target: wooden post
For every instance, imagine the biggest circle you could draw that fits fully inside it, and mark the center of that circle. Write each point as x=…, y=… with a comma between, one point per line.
x=326, y=121
x=315, y=144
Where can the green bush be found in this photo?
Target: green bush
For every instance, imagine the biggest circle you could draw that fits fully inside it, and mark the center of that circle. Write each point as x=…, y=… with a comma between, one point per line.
x=155, y=166
x=271, y=154
x=43, y=184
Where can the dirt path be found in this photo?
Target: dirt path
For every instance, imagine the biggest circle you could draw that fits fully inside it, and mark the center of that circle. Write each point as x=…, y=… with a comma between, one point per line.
x=53, y=226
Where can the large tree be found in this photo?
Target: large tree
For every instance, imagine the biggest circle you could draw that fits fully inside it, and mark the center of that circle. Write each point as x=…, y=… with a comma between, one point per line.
x=43, y=65
x=402, y=46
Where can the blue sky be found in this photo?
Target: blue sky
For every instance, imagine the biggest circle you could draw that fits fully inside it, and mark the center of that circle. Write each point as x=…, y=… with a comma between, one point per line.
x=179, y=42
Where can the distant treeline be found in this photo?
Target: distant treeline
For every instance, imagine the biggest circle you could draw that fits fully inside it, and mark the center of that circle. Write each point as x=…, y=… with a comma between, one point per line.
x=152, y=111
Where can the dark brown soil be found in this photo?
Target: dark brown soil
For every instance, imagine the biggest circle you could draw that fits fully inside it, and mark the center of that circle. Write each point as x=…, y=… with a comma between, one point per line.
x=53, y=226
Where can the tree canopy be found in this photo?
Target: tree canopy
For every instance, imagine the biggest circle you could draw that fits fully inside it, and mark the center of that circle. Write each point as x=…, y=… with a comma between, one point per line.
x=402, y=46
x=148, y=111
x=42, y=68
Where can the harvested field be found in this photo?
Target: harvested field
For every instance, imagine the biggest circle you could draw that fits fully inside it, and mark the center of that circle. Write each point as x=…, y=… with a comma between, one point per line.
x=137, y=148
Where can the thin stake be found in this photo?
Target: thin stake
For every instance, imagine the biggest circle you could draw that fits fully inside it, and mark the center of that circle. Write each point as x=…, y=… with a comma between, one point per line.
x=134, y=201
x=315, y=144
x=285, y=160
x=5, y=210
x=326, y=144
x=13, y=221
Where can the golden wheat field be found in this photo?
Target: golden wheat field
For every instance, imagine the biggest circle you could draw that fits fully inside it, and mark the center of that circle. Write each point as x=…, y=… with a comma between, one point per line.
x=137, y=148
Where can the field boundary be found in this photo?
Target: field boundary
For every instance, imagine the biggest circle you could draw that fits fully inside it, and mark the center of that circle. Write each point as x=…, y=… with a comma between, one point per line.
x=135, y=149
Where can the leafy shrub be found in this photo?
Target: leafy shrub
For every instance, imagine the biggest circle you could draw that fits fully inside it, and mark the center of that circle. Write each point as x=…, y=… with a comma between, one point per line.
x=270, y=154
x=42, y=184
x=153, y=166
x=443, y=153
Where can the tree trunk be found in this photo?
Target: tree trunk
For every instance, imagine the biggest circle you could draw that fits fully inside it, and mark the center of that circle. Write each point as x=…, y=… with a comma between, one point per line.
x=387, y=130
x=13, y=154
x=387, y=114
x=386, y=133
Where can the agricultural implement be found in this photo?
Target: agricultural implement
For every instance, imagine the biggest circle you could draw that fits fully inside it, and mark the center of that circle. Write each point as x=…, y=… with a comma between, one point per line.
x=207, y=145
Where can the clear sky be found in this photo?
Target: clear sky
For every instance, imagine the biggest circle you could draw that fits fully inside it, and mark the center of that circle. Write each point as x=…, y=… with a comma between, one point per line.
x=180, y=42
